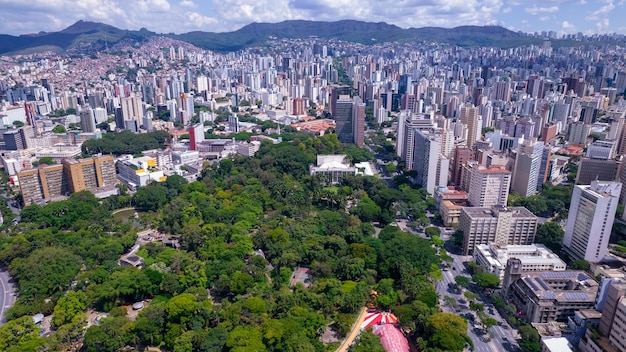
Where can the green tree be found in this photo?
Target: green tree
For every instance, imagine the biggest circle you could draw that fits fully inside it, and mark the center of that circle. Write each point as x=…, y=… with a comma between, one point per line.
x=367, y=342
x=59, y=129
x=150, y=197
x=530, y=338
x=366, y=210
x=550, y=234
x=486, y=280
x=46, y=160
x=245, y=338
x=449, y=302
x=462, y=281
x=446, y=332
x=69, y=306
x=181, y=306
x=45, y=271
x=489, y=322
x=20, y=335
x=432, y=231
x=580, y=264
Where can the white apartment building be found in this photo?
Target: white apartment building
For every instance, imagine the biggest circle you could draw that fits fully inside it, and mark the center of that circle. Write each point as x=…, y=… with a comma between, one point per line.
x=591, y=216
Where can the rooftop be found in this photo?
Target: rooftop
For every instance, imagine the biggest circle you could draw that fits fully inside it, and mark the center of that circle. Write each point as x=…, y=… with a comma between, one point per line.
x=517, y=212
x=557, y=344
x=579, y=286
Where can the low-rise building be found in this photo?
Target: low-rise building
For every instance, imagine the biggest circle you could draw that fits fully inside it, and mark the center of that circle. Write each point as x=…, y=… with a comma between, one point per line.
x=533, y=257
x=547, y=296
x=451, y=212
x=332, y=168
x=137, y=172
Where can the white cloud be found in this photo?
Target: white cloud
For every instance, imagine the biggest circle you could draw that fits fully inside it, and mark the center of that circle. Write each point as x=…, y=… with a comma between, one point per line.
x=601, y=13
x=602, y=25
x=535, y=10
x=187, y=3
x=567, y=27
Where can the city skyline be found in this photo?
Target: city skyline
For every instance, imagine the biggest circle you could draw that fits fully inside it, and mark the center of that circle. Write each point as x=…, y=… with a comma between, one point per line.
x=560, y=16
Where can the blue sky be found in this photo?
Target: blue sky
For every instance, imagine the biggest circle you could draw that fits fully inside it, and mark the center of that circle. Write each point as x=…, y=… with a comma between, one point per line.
x=164, y=16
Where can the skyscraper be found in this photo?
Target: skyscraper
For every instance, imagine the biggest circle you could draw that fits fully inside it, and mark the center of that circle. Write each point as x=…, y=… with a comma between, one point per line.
x=343, y=119
x=132, y=108
x=335, y=93
x=406, y=139
x=527, y=166
x=469, y=117
x=430, y=165
x=358, y=122
x=87, y=120
x=590, y=219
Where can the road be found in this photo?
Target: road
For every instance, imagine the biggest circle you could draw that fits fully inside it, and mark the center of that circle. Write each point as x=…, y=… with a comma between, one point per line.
x=501, y=336
x=7, y=295
x=356, y=328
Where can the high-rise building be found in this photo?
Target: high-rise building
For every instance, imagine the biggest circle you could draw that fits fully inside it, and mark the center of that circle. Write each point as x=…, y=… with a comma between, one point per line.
x=406, y=140
x=343, y=117
x=614, y=293
x=469, y=117
x=527, y=166
x=358, y=122
x=498, y=224
x=14, y=140
x=335, y=93
x=87, y=120
x=590, y=219
x=578, y=133
x=299, y=107
x=196, y=135
x=597, y=169
x=430, y=165
x=350, y=120
x=233, y=123
x=488, y=186
x=132, y=108
x=502, y=91
x=462, y=154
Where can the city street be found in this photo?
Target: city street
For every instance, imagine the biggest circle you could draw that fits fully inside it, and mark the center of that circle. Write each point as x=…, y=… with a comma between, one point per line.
x=7, y=295
x=501, y=335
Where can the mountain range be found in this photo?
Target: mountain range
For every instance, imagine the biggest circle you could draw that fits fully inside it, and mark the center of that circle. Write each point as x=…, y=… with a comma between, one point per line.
x=96, y=36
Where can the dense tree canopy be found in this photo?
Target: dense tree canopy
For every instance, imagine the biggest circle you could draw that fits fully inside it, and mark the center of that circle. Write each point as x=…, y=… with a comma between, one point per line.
x=125, y=142
x=243, y=229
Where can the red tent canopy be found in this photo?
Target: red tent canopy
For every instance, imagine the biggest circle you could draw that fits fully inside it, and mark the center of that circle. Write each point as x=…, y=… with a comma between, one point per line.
x=378, y=318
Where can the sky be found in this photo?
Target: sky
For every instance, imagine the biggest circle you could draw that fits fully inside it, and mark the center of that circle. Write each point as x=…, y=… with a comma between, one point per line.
x=179, y=16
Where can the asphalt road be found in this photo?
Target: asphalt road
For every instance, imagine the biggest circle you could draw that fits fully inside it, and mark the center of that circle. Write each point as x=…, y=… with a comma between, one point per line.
x=7, y=295
x=501, y=338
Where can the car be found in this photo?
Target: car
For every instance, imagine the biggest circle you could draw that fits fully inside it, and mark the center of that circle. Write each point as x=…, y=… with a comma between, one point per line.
x=453, y=268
